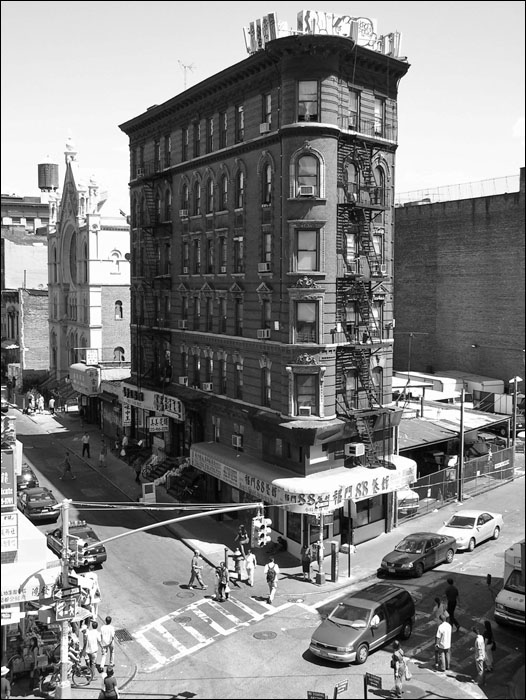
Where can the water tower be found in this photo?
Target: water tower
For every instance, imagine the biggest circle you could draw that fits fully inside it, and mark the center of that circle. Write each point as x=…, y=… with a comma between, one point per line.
x=48, y=185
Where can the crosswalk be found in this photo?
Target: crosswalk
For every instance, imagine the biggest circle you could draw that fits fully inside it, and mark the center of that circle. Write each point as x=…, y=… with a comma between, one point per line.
x=189, y=629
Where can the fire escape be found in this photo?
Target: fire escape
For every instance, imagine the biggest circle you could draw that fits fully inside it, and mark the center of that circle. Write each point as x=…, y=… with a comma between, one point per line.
x=360, y=281
x=155, y=282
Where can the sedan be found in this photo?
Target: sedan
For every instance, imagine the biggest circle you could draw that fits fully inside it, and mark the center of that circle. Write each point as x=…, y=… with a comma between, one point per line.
x=470, y=527
x=84, y=547
x=27, y=479
x=418, y=552
x=38, y=504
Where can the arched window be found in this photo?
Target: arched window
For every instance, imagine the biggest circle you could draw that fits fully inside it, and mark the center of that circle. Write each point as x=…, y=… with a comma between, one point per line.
x=118, y=310
x=185, y=197
x=54, y=271
x=158, y=207
x=308, y=174
x=197, y=198
x=379, y=194
x=267, y=184
x=210, y=196
x=85, y=263
x=224, y=193
x=240, y=189
x=118, y=354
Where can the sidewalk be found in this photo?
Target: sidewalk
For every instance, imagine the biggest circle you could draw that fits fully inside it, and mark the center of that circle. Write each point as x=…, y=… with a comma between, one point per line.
x=211, y=537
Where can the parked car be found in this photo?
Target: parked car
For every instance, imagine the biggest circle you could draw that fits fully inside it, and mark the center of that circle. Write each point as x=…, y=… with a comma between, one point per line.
x=84, y=547
x=418, y=552
x=38, y=503
x=363, y=622
x=27, y=479
x=471, y=527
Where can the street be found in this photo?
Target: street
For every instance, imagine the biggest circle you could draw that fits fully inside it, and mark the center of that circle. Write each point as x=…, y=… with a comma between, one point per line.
x=183, y=643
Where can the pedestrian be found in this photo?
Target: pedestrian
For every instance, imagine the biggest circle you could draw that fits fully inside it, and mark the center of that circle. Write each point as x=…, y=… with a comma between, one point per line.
x=34, y=651
x=107, y=642
x=489, y=645
x=196, y=572
x=250, y=564
x=124, y=446
x=242, y=538
x=85, y=444
x=439, y=608
x=40, y=403
x=306, y=561
x=5, y=685
x=67, y=467
x=109, y=686
x=271, y=572
x=91, y=645
x=451, y=593
x=223, y=588
x=51, y=406
x=102, y=454
x=480, y=655
x=239, y=566
x=443, y=644
x=398, y=666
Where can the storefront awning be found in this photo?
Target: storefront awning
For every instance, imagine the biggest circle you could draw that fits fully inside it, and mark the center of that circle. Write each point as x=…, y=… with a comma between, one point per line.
x=321, y=492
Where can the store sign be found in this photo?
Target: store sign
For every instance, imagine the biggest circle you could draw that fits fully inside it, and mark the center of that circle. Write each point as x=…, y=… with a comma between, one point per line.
x=8, y=479
x=38, y=586
x=92, y=356
x=158, y=424
x=126, y=414
x=84, y=379
x=9, y=532
x=169, y=405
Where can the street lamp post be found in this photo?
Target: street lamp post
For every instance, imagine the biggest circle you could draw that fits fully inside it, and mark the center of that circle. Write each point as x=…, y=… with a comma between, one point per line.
x=64, y=686
x=460, y=461
x=515, y=381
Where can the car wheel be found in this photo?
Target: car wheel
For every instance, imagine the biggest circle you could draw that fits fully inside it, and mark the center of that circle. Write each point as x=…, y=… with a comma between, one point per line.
x=496, y=533
x=407, y=628
x=419, y=570
x=362, y=653
x=471, y=545
x=449, y=556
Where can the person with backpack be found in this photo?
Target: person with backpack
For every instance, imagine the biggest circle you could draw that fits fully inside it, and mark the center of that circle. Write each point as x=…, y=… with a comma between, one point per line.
x=271, y=572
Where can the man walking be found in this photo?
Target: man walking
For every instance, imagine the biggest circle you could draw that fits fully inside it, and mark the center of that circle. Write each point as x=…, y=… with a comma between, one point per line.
x=271, y=572
x=107, y=642
x=91, y=645
x=51, y=406
x=480, y=655
x=250, y=564
x=196, y=572
x=85, y=444
x=452, y=600
x=443, y=644
x=67, y=467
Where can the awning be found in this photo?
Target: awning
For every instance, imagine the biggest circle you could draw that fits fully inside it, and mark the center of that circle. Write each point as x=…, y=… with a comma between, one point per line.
x=316, y=493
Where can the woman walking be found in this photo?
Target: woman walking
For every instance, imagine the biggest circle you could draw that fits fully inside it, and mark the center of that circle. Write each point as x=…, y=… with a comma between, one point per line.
x=306, y=560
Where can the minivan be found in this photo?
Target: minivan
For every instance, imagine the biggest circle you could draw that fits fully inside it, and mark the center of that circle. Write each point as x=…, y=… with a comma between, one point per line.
x=363, y=622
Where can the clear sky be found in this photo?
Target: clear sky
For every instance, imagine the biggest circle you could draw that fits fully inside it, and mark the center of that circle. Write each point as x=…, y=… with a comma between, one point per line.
x=80, y=69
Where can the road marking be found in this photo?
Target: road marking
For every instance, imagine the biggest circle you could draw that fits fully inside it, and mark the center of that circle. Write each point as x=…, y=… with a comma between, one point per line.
x=160, y=642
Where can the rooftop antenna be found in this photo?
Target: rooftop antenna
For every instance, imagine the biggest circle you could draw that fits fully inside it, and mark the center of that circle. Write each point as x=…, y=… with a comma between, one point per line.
x=186, y=67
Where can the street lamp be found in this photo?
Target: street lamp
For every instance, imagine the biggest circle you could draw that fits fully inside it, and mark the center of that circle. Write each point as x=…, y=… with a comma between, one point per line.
x=515, y=381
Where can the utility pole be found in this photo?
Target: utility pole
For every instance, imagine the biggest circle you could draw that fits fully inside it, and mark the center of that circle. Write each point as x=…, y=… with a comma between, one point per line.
x=64, y=686
x=460, y=461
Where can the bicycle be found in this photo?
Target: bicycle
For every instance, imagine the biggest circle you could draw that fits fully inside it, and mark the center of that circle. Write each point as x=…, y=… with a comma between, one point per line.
x=80, y=676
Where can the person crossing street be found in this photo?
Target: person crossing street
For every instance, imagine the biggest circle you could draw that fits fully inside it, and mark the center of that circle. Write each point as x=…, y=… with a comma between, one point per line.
x=196, y=572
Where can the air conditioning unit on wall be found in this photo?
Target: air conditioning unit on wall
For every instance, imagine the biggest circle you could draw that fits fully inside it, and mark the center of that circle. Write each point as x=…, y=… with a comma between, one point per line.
x=354, y=449
x=306, y=191
x=304, y=411
x=183, y=381
x=263, y=333
x=207, y=386
x=237, y=441
x=264, y=128
x=264, y=267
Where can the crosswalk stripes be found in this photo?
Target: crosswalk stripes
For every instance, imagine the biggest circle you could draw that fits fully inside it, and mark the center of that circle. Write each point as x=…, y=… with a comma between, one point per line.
x=187, y=630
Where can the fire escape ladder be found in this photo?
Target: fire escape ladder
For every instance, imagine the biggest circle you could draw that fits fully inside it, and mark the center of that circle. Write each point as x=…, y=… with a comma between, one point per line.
x=363, y=358
x=365, y=309
x=363, y=424
x=362, y=219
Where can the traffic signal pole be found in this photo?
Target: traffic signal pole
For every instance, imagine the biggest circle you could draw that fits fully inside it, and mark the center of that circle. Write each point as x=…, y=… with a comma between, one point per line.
x=64, y=686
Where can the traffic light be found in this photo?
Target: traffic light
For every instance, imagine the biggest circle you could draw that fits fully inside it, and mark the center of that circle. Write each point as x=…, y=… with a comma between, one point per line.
x=79, y=552
x=260, y=532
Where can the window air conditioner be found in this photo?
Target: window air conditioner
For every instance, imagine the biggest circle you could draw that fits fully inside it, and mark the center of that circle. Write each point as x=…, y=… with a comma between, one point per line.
x=306, y=191
x=264, y=267
x=140, y=172
x=264, y=128
x=304, y=411
x=223, y=269
x=237, y=441
x=182, y=324
x=354, y=449
x=183, y=381
x=183, y=213
x=185, y=270
x=207, y=386
x=263, y=333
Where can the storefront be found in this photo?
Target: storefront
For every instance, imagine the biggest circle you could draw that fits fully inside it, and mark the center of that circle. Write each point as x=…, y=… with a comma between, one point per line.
x=354, y=503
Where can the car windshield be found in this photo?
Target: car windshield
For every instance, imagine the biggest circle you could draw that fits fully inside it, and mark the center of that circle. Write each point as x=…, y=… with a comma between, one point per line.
x=38, y=497
x=350, y=614
x=410, y=545
x=461, y=521
x=86, y=534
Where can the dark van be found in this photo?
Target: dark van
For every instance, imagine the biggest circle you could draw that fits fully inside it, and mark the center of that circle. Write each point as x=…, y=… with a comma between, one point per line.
x=363, y=622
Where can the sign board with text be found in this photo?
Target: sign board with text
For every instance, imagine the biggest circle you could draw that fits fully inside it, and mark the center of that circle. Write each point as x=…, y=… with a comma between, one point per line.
x=66, y=609
x=158, y=424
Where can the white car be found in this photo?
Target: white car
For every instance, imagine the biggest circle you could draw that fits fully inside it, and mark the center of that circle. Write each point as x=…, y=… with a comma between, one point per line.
x=470, y=527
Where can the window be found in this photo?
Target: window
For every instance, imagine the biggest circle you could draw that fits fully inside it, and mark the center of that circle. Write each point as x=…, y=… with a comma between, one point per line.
x=223, y=126
x=168, y=205
x=184, y=363
x=222, y=253
x=216, y=422
x=368, y=511
x=240, y=189
x=208, y=370
x=197, y=256
x=210, y=255
x=209, y=135
x=197, y=140
x=239, y=257
x=306, y=322
x=158, y=207
x=185, y=197
x=224, y=193
x=118, y=310
x=197, y=198
x=308, y=173
x=354, y=110
x=240, y=123
x=157, y=155
x=306, y=392
x=265, y=386
x=118, y=354
x=167, y=151
x=238, y=317
x=184, y=308
x=222, y=376
x=186, y=258
x=307, y=250
x=222, y=315
x=197, y=313
x=352, y=182
x=266, y=108
x=238, y=380
x=210, y=196
x=184, y=145
x=265, y=313
x=308, y=101
x=196, y=366
x=267, y=247
x=267, y=185
x=379, y=116
x=378, y=196
x=209, y=317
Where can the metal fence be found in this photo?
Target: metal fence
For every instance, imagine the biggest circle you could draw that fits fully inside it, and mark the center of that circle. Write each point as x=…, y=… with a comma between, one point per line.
x=480, y=474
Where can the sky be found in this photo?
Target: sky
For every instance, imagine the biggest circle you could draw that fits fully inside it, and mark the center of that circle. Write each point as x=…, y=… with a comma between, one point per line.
x=79, y=69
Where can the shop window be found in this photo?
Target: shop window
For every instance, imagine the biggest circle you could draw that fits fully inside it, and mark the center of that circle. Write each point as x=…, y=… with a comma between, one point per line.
x=294, y=526
x=369, y=511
